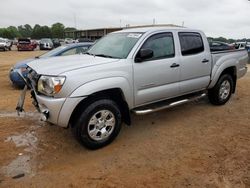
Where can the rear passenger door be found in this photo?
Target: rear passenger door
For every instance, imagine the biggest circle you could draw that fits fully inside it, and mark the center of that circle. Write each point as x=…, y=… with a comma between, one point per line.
x=195, y=62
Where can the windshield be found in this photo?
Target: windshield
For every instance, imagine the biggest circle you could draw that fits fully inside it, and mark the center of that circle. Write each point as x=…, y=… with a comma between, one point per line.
x=115, y=45
x=46, y=40
x=52, y=52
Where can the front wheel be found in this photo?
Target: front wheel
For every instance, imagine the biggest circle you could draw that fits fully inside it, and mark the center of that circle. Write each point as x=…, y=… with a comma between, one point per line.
x=99, y=124
x=222, y=91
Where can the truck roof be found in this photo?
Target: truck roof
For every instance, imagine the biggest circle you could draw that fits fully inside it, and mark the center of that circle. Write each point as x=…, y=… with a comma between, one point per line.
x=153, y=29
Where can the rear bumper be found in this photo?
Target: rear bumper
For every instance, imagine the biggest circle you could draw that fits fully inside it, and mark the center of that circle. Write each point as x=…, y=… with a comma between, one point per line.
x=45, y=47
x=29, y=48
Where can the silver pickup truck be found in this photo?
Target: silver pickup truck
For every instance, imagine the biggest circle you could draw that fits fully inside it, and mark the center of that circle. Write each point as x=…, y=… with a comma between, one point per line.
x=140, y=70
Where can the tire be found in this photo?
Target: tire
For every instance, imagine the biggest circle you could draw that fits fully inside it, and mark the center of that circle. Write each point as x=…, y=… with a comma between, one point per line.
x=222, y=91
x=93, y=128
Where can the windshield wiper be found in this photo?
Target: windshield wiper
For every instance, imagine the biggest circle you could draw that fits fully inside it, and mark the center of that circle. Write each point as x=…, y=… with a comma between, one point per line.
x=88, y=53
x=107, y=56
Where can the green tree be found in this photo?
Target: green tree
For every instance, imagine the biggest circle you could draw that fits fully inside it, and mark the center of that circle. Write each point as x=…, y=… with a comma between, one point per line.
x=45, y=32
x=14, y=32
x=41, y=32
x=57, y=30
x=36, y=32
x=7, y=33
x=221, y=39
x=231, y=41
x=25, y=30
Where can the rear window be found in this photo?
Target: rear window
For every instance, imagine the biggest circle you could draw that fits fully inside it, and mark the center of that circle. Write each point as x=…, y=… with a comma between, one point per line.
x=23, y=40
x=191, y=43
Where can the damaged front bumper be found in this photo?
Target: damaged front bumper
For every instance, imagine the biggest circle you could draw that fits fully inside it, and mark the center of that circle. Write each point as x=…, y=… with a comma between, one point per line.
x=37, y=100
x=54, y=110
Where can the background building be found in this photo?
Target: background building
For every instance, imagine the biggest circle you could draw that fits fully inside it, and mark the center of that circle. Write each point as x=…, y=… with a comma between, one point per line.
x=94, y=34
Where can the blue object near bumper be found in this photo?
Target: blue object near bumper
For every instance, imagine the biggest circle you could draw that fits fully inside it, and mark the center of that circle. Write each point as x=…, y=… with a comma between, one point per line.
x=16, y=79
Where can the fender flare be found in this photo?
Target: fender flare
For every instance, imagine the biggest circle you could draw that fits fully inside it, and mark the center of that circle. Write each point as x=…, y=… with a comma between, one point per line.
x=105, y=84
x=218, y=69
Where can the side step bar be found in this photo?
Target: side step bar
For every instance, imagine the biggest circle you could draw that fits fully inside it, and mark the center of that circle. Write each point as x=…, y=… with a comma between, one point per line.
x=168, y=104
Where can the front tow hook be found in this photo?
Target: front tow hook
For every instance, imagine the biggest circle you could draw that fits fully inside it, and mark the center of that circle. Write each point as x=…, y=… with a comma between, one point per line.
x=44, y=115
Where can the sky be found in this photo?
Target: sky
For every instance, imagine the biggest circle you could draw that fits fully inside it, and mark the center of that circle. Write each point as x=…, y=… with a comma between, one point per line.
x=226, y=18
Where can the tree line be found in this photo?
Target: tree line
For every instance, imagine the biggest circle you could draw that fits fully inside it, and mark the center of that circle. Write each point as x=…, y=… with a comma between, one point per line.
x=57, y=31
x=37, y=32
x=230, y=41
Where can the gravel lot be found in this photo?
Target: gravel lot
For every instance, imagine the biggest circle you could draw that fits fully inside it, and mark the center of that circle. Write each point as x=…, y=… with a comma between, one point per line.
x=194, y=145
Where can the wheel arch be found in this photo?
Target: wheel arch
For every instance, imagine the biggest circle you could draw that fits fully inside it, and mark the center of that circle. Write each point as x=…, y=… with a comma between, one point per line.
x=231, y=70
x=115, y=94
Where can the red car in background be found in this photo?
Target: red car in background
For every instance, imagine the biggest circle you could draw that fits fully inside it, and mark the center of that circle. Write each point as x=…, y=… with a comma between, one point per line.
x=26, y=44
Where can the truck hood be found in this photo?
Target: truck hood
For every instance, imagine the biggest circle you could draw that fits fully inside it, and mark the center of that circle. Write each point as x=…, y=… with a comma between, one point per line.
x=23, y=63
x=60, y=65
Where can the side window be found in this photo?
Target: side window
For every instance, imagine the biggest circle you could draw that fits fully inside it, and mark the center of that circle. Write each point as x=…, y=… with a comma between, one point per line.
x=191, y=43
x=162, y=45
x=69, y=52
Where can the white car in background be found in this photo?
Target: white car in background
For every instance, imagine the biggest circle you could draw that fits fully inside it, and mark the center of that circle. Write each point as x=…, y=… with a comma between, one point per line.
x=5, y=44
x=240, y=45
x=68, y=41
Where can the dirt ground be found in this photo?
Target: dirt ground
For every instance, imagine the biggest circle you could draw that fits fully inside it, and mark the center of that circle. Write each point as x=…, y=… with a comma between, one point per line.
x=194, y=145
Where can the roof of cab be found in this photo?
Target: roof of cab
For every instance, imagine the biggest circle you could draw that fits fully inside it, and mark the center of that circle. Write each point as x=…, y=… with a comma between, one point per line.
x=153, y=29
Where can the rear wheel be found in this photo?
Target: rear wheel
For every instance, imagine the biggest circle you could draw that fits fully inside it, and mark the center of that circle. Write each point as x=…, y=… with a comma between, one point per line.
x=222, y=91
x=99, y=124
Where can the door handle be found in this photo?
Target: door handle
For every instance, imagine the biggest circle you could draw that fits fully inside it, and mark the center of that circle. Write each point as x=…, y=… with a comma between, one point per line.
x=205, y=60
x=174, y=65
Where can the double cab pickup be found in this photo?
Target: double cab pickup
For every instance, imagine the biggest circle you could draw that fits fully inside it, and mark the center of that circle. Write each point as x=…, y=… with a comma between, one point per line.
x=140, y=70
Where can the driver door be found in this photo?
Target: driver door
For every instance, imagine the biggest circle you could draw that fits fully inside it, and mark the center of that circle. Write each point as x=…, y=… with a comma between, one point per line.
x=157, y=78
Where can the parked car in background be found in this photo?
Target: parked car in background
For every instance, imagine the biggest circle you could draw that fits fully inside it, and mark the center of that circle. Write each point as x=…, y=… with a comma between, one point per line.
x=56, y=43
x=68, y=41
x=84, y=40
x=220, y=46
x=15, y=41
x=140, y=70
x=248, y=47
x=46, y=44
x=69, y=49
x=240, y=45
x=26, y=44
x=5, y=44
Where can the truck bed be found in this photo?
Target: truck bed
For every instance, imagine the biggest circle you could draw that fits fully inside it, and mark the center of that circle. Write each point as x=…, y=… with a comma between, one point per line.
x=228, y=56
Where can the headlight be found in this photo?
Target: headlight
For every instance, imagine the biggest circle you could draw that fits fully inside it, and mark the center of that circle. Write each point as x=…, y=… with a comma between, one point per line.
x=50, y=85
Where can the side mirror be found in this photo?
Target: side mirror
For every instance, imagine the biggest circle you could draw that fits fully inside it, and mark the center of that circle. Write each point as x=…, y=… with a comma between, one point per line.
x=144, y=54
